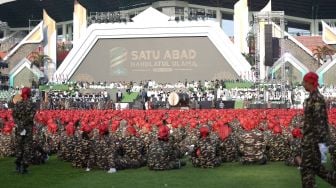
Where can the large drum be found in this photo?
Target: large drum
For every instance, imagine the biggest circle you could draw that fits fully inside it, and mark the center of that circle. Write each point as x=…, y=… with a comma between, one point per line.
x=178, y=99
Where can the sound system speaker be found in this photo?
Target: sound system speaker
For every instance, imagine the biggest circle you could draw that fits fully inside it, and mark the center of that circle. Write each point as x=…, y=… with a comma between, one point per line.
x=284, y=106
x=276, y=48
x=263, y=106
x=137, y=105
x=268, y=45
x=275, y=105
x=258, y=106
x=227, y=104
x=205, y=104
x=254, y=106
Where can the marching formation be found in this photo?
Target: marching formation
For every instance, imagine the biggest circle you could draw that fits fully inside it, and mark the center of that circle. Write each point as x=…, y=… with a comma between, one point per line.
x=113, y=140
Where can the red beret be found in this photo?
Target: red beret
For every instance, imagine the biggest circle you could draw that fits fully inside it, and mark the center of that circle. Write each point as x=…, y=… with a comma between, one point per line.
x=131, y=130
x=102, y=129
x=25, y=93
x=277, y=129
x=163, y=132
x=312, y=78
x=297, y=133
x=204, y=131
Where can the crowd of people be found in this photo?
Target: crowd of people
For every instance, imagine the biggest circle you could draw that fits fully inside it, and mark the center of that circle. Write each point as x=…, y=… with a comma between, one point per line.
x=114, y=140
x=104, y=95
x=131, y=139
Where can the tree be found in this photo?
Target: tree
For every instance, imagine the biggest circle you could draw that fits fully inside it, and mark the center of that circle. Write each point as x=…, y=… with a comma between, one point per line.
x=39, y=60
x=321, y=52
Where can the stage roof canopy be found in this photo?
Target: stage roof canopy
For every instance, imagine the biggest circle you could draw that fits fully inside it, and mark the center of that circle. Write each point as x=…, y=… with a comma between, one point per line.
x=18, y=13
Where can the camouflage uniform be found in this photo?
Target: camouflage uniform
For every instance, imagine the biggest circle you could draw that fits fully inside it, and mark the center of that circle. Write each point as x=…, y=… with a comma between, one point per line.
x=146, y=139
x=39, y=155
x=315, y=130
x=66, y=147
x=132, y=153
x=177, y=137
x=278, y=148
x=84, y=154
x=252, y=148
x=6, y=145
x=295, y=151
x=162, y=156
x=332, y=149
x=206, y=153
x=228, y=149
x=23, y=114
x=102, y=151
x=62, y=146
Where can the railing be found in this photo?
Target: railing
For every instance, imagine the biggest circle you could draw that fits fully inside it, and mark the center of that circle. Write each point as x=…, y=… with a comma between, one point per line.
x=108, y=17
x=9, y=42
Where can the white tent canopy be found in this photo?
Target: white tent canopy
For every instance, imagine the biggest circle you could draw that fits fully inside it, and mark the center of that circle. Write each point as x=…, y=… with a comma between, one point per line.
x=5, y=1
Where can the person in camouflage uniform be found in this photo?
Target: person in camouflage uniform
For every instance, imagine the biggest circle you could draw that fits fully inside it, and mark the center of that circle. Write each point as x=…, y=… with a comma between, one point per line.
x=229, y=150
x=6, y=146
x=315, y=131
x=252, y=147
x=39, y=155
x=133, y=153
x=332, y=149
x=102, y=149
x=66, y=146
x=228, y=146
x=84, y=154
x=23, y=113
x=278, y=146
x=161, y=152
x=6, y=140
x=177, y=136
x=294, y=157
x=206, y=153
x=146, y=134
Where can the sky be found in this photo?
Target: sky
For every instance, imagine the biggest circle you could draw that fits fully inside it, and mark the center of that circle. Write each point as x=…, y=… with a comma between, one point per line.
x=227, y=26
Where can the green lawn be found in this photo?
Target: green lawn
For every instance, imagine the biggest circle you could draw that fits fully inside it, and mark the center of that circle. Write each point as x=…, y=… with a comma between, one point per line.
x=129, y=97
x=230, y=175
x=230, y=85
x=239, y=104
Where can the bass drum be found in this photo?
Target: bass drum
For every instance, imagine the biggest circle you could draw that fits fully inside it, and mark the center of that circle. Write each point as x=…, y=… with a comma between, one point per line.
x=178, y=99
x=173, y=99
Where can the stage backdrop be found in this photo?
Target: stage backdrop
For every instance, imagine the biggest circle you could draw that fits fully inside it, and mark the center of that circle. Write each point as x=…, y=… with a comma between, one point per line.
x=169, y=59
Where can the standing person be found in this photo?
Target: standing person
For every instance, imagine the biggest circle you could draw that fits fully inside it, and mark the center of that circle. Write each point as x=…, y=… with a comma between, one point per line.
x=315, y=132
x=23, y=113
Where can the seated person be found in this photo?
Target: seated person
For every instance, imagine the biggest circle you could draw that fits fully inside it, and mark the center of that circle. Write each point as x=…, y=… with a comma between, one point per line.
x=161, y=153
x=206, y=153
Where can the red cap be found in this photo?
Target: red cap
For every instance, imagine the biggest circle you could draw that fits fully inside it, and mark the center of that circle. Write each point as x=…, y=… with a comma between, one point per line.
x=70, y=129
x=224, y=131
x=312, y=78
x=102, y=129
x=297, y=133
x=277, y=129
x=25, y=93
x=163, y=132
x=131, y=130
x=86, y=128
x=204, y=132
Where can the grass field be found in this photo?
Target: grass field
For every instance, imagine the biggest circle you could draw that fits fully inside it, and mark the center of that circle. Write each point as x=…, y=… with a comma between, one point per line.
x=56, y=174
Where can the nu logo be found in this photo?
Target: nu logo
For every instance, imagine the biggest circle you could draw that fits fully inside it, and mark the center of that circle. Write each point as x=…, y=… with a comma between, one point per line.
x=118, y=56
